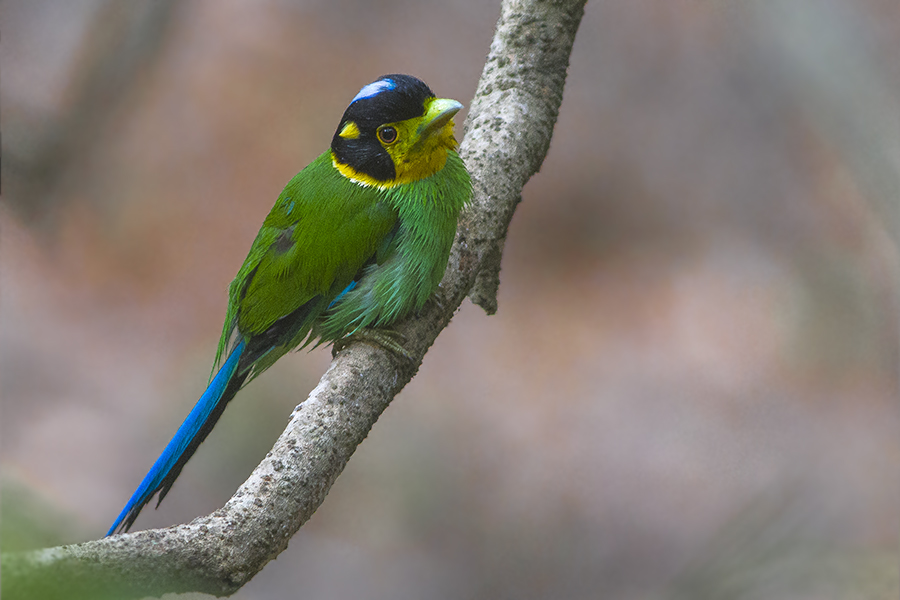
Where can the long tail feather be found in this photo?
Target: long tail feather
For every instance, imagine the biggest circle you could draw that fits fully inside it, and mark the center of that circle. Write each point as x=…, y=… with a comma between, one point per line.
x=192, y=432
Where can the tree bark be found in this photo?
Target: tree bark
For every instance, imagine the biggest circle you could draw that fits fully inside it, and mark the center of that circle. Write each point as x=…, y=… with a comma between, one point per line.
x=508, y=131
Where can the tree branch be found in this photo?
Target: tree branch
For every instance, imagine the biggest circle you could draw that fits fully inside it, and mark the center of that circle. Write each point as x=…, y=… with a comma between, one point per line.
x=508, y=132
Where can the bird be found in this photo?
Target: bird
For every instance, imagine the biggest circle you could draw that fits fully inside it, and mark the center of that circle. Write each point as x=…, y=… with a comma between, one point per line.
x=357, y=240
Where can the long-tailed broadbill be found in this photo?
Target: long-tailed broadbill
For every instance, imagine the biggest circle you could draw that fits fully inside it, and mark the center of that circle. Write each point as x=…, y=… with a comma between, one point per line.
x=357, y=240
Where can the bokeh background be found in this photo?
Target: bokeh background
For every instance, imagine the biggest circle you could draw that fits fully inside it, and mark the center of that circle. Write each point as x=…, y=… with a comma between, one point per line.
x=690, y=388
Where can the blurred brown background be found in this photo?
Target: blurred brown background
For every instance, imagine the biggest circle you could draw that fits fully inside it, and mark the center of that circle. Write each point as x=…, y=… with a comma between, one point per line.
x=690, y=388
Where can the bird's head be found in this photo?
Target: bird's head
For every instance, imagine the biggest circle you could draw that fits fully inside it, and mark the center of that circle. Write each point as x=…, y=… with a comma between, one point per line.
x=395, y=131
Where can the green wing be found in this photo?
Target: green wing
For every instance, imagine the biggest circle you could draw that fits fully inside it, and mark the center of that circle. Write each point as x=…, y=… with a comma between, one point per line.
x=322, y=230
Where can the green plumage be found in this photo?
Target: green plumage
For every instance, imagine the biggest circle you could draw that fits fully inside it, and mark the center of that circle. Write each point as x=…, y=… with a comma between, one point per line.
x=324, y=231
x=359, y=238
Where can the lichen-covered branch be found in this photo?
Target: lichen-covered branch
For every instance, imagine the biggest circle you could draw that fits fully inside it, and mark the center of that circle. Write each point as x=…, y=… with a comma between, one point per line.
x=511, y=122
x=508, y=131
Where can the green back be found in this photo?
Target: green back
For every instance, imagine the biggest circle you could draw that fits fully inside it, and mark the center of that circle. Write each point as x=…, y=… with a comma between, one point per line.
x=320, y=234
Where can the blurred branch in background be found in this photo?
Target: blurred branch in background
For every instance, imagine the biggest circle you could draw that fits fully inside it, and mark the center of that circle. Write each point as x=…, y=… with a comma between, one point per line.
x=119, y=44
x=828, y=56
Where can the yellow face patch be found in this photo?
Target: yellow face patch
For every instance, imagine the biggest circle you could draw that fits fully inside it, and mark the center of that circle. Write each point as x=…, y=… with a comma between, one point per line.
x=418, y=147
x=419, y=157
x=350, y=131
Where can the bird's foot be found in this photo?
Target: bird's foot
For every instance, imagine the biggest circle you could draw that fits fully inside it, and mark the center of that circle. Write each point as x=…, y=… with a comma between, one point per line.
x=388, y=339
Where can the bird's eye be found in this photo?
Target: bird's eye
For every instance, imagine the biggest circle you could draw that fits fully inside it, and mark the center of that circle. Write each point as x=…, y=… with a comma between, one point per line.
x=387, y=134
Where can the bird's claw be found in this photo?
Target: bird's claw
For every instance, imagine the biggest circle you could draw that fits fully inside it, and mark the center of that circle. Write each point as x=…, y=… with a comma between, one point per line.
x=389, y=339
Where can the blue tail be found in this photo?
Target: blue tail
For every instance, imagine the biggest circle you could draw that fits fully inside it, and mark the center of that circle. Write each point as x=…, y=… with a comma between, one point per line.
x=192, y=432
